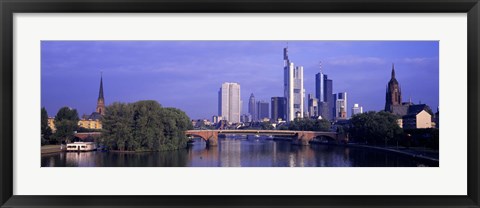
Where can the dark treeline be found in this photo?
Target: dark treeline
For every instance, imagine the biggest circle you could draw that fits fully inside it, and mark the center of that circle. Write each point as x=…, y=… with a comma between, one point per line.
x=375, y=128
x=308, y=124
x=144, y=126
x=381, y=128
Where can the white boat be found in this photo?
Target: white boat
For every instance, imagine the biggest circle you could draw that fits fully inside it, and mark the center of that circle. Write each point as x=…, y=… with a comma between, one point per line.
x=81, y=146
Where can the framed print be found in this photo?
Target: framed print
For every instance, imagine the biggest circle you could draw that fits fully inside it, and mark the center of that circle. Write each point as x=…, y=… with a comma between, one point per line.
x=213, y=103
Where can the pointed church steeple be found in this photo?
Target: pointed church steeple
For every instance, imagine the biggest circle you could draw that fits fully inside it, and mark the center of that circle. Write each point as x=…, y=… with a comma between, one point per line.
x=393, y=71
x=394, y=93
x=100, y=93
x=101, y=99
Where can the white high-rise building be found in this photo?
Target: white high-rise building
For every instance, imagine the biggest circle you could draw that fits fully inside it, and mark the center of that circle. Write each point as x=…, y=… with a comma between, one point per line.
x=229, y=104
x=357, y=109
x=293, y=88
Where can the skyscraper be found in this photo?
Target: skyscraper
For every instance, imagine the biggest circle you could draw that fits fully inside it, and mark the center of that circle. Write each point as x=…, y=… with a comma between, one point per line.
x=356, y=109
x=229, y=102
x=393, y=95
x=325, y=96
x=293, y=88
x=278, y=108
x=263, y=111
x=101, y=101
x=252, y=107
x=312, y=106
x=341, y=105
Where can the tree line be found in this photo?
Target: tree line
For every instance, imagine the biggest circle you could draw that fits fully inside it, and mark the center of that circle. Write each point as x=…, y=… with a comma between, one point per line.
x=140, y=126
x=66, y=123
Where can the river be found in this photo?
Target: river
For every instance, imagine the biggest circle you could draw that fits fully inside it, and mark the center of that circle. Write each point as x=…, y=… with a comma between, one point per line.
x=240, y=152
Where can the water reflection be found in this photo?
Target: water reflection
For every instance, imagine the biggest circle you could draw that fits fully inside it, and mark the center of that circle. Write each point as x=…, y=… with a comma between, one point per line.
x=239, y=152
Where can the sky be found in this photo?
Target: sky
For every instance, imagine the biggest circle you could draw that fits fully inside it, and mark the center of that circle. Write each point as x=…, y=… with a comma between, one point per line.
x=188, y=74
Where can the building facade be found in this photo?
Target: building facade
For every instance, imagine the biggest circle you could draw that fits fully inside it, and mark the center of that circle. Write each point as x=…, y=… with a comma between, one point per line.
x=356, y=109
x=293, y=88
x=312, y=106
x=252, y=106
x=341, y=105
x=229, y=104
x=263, y=110
x=325, y=96
x=278, y=108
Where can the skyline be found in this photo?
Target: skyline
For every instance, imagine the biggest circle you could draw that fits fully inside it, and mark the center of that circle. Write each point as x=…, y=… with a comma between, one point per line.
x=188, y=74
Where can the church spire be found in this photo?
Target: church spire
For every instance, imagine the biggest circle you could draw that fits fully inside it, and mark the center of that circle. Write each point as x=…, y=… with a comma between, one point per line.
x=101, y=100
x=100, y=93
x=393, y=71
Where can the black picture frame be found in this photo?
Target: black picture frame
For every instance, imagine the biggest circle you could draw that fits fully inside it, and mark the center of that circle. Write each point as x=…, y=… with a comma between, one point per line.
x=9, y=7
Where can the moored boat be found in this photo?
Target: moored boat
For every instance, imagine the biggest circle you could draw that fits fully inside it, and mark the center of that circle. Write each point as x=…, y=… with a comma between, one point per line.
x=81, y=146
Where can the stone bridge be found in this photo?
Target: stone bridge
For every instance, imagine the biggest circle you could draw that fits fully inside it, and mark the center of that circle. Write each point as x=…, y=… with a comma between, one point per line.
x=298, y=137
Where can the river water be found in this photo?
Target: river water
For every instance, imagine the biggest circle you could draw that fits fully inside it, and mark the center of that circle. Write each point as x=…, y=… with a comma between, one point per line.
x=240, y=152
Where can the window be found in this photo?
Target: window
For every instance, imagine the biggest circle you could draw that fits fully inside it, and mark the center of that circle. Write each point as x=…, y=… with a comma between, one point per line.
x=296, y=90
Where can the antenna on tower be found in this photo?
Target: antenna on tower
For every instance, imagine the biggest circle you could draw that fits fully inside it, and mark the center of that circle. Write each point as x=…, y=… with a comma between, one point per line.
x=320, y=65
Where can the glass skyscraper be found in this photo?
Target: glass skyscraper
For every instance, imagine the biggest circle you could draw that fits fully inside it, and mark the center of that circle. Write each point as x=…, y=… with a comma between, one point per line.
x=325, y=96
x=278, y=108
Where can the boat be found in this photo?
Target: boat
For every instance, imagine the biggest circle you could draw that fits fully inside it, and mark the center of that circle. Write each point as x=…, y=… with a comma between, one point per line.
x=81, y=146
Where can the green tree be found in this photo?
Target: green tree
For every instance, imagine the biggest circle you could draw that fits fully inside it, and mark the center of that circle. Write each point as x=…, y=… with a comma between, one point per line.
x=175, y=122
x=117, y=124
x=147, y=126
x=45, y=129
x=375, y=127
x=266, y=125
x=144, y=126
x=308, y=124
x=66, y=123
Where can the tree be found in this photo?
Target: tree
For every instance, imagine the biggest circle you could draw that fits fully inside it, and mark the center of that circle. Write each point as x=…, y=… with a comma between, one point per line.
x=308, y=124
x=144, y=126
x=266, y=125
x=66, y=123
x=375, y=127
x=117, y=124
x=45, y=129
x=147, y=126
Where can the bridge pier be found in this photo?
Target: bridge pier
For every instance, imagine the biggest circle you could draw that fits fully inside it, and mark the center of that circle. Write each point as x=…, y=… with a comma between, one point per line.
x=302, y=139
x=212, y=141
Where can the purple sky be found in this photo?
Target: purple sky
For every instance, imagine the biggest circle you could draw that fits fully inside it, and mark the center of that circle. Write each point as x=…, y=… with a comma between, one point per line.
x=188, y=74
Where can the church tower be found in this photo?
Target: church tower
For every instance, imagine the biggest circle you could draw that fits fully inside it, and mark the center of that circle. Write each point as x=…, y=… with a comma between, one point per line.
x=394, y=94
x=101, y=100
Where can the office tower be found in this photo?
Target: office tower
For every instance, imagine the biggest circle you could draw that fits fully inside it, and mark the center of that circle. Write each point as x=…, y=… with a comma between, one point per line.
x=252, y=107
x=356, y=109
x=393, y=95
x=341, y=105
x=263, y=110
x=312, y=106
x=278, y=108
x=293, y=88
x=325, y=96
x=229, y=102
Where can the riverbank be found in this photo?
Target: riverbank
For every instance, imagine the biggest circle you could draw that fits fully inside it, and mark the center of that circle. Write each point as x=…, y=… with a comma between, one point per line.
x=48, y=149
x=415, y=152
